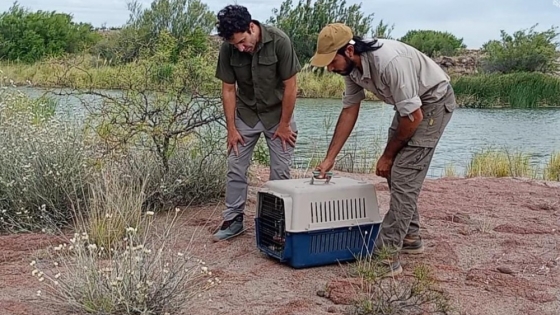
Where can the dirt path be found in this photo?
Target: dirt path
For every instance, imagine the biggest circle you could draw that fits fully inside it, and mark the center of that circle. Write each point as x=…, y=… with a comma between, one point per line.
x=493, y=243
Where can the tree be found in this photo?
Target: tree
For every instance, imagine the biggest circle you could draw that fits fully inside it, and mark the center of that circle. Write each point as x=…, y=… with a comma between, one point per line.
x=30, y=36
x=383, y=30
x=303, y=22
x=189, y=22
x=433, y=43
x=525, y=50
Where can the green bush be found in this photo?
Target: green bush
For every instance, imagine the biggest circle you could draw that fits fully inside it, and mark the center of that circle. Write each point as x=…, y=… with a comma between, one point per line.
x=433, y=43
x=175, y=26
x=524, y=51
x=30, y=36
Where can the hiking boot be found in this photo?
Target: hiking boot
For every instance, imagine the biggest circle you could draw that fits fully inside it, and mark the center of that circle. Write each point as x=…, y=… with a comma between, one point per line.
x=412, y=245
x=391, y=267
x=229, y=229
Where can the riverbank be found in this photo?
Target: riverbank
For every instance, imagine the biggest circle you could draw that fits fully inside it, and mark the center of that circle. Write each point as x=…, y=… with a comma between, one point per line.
x=87, y=73
x=516, y=90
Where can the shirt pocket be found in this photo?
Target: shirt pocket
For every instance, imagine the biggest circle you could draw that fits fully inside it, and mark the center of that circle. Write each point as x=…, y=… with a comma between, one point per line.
x=268, y=71
x=242, y=69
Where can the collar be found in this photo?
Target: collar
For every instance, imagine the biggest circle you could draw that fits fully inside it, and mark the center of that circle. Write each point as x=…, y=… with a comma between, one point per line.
x=366, y=66
x=265, y=34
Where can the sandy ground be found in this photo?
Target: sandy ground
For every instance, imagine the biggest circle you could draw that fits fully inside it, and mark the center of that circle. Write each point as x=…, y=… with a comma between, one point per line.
x=492, y=242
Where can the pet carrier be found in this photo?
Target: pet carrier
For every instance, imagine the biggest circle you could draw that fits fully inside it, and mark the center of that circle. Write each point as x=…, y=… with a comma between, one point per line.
x=311, y=222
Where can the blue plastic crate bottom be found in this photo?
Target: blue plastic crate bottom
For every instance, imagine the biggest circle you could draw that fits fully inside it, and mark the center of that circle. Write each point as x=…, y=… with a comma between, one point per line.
x=320, y=247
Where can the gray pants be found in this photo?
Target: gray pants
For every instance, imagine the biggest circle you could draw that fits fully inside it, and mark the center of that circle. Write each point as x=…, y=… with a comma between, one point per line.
x=236, y=182
x=409, y=170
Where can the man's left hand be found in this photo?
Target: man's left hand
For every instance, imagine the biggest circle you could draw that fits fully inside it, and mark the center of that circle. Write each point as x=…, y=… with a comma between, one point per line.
x=285, y=133
x=384, y=165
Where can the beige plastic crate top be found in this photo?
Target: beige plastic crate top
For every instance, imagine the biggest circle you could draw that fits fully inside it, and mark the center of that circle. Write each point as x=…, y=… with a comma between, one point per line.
x=315, y=204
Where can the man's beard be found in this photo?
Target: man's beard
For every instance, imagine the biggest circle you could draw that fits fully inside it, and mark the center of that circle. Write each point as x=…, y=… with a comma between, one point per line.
x=350, y=65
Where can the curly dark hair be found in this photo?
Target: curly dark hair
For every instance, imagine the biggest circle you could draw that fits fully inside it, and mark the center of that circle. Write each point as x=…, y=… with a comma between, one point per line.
x=233, y=19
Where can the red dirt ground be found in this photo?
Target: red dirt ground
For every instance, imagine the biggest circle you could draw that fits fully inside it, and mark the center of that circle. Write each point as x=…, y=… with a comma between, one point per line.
x=493, y=243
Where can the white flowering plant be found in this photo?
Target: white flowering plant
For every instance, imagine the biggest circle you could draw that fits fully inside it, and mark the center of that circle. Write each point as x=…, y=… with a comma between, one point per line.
x=43, y=163
x=144, y=273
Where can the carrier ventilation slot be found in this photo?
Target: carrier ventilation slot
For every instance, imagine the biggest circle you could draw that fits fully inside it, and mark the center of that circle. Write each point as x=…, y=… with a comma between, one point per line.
x=338, y=210
x=343, y=240
x=272, y=223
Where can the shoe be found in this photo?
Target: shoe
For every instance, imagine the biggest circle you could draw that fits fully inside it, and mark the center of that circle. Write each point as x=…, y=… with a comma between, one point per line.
x=229, y=229
x=387, y=263
x=412, y=245
x=391, y=267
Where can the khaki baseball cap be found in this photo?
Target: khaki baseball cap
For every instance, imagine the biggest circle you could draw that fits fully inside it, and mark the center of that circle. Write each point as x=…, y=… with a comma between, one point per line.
x=331, y=38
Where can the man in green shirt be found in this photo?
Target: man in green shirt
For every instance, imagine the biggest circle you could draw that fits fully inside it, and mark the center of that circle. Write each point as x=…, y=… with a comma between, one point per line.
x=423, y=99
x=257, y=65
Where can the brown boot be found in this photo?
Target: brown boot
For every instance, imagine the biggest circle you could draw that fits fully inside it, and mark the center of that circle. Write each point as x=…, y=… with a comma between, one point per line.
x=412, y=245
x=391, y=267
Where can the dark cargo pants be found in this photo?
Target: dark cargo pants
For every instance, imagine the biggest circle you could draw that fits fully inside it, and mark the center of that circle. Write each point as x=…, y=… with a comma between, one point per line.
x=409, y=170
x=236, y=180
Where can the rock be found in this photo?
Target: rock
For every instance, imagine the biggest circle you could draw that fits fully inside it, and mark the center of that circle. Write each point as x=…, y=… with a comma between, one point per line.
x=332, y=309
x=343, y=291
x=321, y=293
x=505, y=270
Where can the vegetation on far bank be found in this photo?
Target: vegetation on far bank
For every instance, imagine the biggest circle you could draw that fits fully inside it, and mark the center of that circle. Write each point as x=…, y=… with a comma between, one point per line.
x=513, y=90
x=82, y=57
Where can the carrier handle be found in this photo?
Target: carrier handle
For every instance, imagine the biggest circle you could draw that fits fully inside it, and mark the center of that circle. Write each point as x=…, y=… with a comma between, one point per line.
x=327, y=179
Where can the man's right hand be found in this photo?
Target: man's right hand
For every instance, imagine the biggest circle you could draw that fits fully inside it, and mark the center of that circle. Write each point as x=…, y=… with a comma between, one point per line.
x=324, y=167
x=233, y=138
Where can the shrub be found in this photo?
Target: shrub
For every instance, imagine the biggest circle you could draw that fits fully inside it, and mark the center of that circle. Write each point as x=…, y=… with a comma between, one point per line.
x=43, y=164
x=433, y=43
x=30, y=36
x=524, y=51
x=142, y=272
x=47, y=163
x=376, y=294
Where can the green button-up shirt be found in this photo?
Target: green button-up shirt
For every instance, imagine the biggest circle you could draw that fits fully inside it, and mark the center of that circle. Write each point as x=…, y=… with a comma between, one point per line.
x=259, y=76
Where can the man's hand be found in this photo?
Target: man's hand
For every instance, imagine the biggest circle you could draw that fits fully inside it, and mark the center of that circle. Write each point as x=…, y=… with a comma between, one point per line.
x=324, y=167
x=384, y=165
x=233, y=139
x=285, y=133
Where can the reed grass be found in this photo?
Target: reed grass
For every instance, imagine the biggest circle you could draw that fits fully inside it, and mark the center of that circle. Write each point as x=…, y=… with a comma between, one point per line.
x=498, y=163
x=515, y=90
x=552, y=167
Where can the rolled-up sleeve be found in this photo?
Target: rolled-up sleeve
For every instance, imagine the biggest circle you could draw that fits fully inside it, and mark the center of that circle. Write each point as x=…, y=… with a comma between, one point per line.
x=400, y=77
x=353, y=93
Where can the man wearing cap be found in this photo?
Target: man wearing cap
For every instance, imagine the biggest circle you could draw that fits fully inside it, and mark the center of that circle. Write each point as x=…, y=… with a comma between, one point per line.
x=423, y=99
x=257, y=65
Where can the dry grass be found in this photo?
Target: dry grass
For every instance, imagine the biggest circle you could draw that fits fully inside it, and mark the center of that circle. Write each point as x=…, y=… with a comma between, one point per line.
x=380, y=295
x=491, y=163
x=552, y=168
x=130, y=265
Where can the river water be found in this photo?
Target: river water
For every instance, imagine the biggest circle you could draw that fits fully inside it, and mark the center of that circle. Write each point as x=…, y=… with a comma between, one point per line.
x=534, y=131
